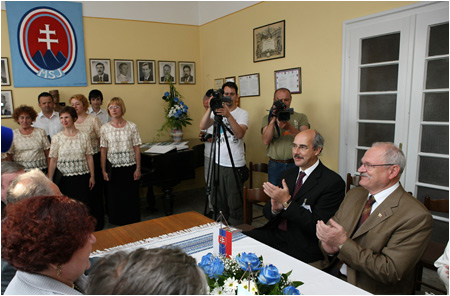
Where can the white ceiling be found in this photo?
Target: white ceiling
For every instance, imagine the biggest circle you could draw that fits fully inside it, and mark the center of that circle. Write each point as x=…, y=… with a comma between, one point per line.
x=176, y=12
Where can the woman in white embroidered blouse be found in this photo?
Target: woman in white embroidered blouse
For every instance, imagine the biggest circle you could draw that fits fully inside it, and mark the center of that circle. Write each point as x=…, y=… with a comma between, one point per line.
x=30, y=146
x=91, y=124
x=71, y=153
x=121, y=165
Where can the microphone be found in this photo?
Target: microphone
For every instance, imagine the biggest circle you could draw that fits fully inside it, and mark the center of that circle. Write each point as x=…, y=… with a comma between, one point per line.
x=7, y=138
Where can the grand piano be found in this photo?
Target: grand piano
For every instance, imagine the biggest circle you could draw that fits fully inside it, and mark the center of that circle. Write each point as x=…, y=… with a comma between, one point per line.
x=169, y=169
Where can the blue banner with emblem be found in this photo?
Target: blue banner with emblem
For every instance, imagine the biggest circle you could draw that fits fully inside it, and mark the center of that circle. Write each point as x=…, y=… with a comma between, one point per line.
x=47, y=43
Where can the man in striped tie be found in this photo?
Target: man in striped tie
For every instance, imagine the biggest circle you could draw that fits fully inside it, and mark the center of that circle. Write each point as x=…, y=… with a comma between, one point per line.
x=380, y=231
x=307, y=193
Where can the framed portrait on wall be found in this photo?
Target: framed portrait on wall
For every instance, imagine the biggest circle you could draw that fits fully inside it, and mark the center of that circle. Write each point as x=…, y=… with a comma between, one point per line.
x=100, y=71
x=167, y=72
x=290, y=79
x=146, y=71
x=5, y=72
x=7, y=104
x=187, y=72
x=123, y=72
x=269, y=42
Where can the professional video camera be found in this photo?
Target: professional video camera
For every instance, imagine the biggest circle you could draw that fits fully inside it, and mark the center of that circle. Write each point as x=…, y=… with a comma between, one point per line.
x=280, y=111
x=217, y=100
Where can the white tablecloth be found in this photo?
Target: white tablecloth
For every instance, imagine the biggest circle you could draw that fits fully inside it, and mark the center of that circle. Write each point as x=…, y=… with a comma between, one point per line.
x=197, y=242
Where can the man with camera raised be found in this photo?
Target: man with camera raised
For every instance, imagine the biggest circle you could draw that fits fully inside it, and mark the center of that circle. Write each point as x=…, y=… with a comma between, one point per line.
x=278, y=130
x=227, y=192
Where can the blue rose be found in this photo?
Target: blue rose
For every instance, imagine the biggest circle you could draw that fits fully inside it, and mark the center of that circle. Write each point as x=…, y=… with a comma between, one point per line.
x=185, y=108
x=291, y=290
x=181, y=103
x=251, y=259
x=212, y=266
x=176, y=99
x=269, y=275
x=166, y=94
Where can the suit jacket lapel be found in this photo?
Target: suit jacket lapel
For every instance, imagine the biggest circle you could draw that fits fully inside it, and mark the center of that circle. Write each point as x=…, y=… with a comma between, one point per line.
x=382, y=212
x=310, y=183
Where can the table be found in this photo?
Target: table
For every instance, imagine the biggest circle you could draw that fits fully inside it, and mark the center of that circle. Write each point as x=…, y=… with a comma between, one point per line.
x=315, y=280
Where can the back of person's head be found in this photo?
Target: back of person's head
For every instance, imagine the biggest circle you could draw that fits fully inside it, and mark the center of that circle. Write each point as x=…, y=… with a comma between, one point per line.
x=10, y=167
x=31, y=183
x=44, y=230
x=95, y=93
x=159, y=271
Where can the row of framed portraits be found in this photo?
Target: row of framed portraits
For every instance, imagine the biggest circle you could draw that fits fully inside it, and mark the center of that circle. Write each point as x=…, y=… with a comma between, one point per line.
x=249, y=84
x=101, y=72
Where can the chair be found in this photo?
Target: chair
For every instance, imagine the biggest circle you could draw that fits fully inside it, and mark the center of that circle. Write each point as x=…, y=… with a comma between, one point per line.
x=252, y=196
x=257, y=167
x=434, y=249
x=352, y=180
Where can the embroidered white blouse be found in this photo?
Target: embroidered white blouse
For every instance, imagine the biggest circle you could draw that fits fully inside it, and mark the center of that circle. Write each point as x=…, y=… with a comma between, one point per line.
x=28, y=150
x=120, y=143
x=71, y=153
x=91, y=126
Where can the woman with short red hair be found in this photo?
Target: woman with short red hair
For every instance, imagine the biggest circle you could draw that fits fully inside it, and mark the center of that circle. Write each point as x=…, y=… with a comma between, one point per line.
x=48, y=239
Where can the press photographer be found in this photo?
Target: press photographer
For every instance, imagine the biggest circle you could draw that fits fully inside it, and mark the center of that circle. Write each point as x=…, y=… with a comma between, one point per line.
x=279, y=129
x=227, y=195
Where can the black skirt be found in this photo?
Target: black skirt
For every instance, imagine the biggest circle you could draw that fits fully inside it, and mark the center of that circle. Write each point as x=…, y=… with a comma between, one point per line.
x=76, y=187
x=122, y=196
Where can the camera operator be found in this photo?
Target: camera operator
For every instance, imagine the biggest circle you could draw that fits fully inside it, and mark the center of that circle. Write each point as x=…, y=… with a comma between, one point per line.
x=279, y=135
x=229, y=192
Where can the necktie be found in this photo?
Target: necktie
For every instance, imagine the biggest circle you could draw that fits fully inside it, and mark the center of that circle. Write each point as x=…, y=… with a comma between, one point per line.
x=366, y=211
x=283, y=223
x=101, y=78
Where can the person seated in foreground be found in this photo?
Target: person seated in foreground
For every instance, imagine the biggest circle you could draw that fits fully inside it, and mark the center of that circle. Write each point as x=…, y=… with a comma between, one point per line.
x=10, y=170
x=158, y=271
x=380, y=231
x=50, y=248
x=308, y=192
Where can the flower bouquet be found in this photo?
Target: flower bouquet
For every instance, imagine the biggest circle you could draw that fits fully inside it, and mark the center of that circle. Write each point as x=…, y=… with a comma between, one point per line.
x=225, y=274
x=176, y=112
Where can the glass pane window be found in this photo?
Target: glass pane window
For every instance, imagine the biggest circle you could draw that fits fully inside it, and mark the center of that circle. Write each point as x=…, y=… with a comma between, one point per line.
x=377, y=107
x=434, y=139
x=438, y=40
x=433, y=170
x=370, y=133
x=380, y=49
x=437, y=74
x=436, y=107
x=381, y=78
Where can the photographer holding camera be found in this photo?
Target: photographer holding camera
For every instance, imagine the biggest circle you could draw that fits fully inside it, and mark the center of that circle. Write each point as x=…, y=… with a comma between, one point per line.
x=279, y=129
x=227, y=197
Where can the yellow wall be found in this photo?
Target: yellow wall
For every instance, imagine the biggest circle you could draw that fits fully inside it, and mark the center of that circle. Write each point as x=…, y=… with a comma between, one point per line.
x=220, y=49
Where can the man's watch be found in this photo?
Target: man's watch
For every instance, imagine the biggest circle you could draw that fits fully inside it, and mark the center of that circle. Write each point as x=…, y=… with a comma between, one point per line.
x=285, y=205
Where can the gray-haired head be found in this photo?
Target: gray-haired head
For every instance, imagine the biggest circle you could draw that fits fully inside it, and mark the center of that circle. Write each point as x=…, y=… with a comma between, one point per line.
x=393, y=155
x=32, y=183
x=9, y=167
x=158, y=271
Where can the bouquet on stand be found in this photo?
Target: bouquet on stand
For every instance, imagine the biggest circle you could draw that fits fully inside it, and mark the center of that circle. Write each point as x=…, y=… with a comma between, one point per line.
x=225, y=275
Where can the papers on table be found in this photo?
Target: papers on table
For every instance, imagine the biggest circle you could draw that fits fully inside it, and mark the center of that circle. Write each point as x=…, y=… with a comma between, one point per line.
x=164, y=147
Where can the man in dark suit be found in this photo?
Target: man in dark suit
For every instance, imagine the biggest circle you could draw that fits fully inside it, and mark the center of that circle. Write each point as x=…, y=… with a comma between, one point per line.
x=146, y=72
x=380, y=231
x=293, y=214
x=187, y=77
x=101, y=75
x=166, y=74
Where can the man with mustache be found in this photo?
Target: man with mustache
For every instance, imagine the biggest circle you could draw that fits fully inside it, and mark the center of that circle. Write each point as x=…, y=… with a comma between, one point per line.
x=307, y=193
x=380, y=231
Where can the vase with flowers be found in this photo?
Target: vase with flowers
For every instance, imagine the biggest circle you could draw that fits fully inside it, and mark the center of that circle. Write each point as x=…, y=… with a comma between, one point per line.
x=176, y=114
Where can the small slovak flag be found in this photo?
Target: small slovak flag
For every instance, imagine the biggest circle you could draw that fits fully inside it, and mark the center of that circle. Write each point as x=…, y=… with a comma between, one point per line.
x=223, y=239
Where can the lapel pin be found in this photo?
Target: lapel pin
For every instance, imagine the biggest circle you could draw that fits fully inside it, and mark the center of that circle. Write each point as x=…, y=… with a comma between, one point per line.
x=379, y=215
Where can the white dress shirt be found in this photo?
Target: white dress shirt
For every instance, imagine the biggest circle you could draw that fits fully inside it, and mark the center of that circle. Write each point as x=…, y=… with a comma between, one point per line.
x=51, y=125
x=102, y=115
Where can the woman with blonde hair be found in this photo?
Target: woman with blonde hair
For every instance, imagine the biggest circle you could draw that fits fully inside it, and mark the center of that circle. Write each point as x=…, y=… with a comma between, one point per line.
x=90, y=124
x=30, y=144
x=121, y=165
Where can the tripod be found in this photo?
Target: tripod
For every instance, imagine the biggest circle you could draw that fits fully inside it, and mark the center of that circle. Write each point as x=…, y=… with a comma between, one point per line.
x=213, y=169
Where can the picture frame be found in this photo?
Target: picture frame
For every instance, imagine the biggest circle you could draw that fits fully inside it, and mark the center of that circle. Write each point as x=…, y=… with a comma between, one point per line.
x=218, y=82
x=7, y=104
x=269, y=42
x=145, y=71
x=231, y=78
x=6, y=78
x=290, y=79
x=100, y=71
x=249, y=85
x=167, y=67
x=186, y=72
x=123, y=72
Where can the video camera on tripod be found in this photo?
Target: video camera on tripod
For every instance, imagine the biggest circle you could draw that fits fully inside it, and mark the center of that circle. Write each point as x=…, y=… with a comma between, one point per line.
x=280, y=111
x=217, y=99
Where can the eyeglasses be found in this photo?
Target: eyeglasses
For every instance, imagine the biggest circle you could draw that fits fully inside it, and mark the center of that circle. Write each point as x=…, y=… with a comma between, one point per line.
x=371, y=166
x=113, y=107
x=301, y=146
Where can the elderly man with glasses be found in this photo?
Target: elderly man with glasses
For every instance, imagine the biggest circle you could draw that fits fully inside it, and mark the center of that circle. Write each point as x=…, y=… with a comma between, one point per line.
x=380, y=231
